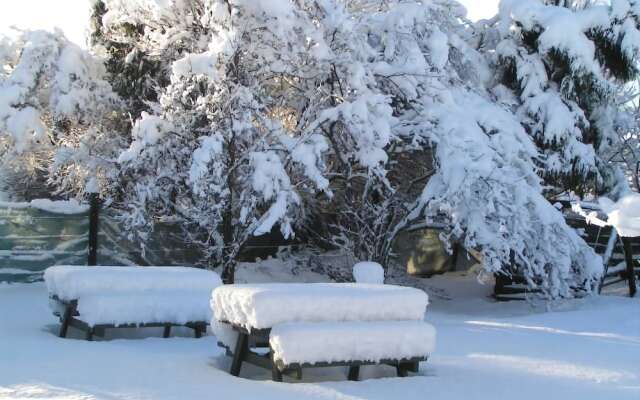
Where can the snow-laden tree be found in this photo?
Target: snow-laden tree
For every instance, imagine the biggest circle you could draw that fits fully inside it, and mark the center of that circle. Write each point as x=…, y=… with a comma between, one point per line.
x=58, y=116
x=218, y=152
x=485, y=184
x=625, y=151
x=561, y=64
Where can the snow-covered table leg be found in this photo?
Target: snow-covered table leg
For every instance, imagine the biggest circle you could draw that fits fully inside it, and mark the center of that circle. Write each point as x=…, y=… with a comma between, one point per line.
x=65, y=318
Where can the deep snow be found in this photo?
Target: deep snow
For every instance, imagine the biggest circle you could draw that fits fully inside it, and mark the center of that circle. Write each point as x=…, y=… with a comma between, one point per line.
x=586, y=349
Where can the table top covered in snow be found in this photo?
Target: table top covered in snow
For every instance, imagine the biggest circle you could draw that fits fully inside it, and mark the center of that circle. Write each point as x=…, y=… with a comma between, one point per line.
x=73, y=282
x=263, y=306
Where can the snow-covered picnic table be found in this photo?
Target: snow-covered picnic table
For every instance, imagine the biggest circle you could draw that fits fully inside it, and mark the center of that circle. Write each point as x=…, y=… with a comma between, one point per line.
x=95, y=298
x=322, y=324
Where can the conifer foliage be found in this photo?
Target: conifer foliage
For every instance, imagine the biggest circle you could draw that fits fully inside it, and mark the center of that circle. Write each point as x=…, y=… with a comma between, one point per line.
x=563, y=62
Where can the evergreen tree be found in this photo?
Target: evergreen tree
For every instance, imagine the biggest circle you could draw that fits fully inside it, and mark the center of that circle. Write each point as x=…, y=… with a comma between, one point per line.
x=561, y=64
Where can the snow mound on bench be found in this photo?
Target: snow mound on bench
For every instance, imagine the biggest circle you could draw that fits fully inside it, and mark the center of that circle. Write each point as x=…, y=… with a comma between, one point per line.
x=262, y=306
x=368, y=272
x=147, y=307
x=299, y=343
x=71, y=282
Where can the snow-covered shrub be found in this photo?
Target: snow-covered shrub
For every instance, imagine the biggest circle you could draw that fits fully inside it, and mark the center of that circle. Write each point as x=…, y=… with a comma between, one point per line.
x=56, y=111
x=485, y=184
x=625, y=148
x=217, y=152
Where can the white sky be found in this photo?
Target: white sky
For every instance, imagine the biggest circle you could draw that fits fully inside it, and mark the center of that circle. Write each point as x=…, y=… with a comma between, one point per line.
x=480, y=9
x=69, y=15
x=72, y=15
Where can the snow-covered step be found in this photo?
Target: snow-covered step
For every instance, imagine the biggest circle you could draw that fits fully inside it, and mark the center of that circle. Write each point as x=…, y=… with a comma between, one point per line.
x=336, y=342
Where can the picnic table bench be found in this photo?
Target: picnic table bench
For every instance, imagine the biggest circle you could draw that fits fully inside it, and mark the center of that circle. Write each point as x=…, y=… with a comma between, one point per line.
x=93, y=299
x=288, y=327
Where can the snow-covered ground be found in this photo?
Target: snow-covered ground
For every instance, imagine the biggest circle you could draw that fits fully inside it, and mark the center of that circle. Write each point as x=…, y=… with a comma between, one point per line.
x=584, y=349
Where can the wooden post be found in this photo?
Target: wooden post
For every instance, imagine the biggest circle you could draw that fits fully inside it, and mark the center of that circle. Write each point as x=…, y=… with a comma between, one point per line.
x=628, y=256
x=94, y=218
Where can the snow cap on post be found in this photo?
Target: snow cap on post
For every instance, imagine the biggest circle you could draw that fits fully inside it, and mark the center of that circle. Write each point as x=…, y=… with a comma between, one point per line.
x=368, y=272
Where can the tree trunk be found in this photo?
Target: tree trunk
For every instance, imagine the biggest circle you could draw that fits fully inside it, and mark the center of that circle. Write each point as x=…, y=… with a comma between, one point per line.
x=228, y=272
x=228, y=237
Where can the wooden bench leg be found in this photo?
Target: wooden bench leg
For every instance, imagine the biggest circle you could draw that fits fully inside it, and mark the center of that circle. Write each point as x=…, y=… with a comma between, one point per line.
x=239, y=353
x=414, y=366
x=354, y=372
x=402, y=370
x=276, y=374
x=167, y=331
x=197, y=331
x=64, y=321
x=90, y=332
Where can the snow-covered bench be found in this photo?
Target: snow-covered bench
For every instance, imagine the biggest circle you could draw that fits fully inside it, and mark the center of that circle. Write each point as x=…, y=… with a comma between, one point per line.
x=402, y=344
x=322, y=324
x=95, y=298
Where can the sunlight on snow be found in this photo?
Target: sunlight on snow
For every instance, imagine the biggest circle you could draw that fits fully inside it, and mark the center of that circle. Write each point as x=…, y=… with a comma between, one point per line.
x=41, y=391
x=553, y=368
x=599, y=335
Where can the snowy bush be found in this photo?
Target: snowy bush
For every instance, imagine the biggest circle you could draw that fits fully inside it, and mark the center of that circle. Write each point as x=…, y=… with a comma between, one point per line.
x=225, y=163
x=56, y=110
x=484, y=185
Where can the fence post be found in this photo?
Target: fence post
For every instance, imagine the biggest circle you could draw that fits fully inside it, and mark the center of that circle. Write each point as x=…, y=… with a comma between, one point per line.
x=628, y=255
x=94, y=218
